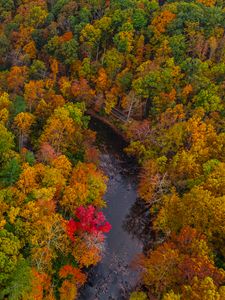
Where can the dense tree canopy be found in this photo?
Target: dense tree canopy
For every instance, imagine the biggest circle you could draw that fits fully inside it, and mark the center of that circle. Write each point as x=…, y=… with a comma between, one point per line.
x=161, y=64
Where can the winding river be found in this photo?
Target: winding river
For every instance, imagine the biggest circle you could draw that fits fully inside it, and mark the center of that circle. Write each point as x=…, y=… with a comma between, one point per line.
x=114, y=277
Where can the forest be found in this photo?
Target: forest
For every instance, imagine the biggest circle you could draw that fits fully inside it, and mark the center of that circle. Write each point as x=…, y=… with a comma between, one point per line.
x=155, y=71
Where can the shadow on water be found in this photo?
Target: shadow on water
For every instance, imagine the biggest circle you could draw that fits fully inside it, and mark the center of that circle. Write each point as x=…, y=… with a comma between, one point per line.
x=113, y=277
x=138, y=224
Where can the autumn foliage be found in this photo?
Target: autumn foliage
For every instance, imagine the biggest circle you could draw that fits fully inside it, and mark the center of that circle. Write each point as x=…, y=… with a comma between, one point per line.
x=153, y=69
x=88, y=221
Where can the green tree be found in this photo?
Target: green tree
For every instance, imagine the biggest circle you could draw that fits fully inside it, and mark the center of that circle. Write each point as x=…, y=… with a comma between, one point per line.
x=9, y=254
x=6, y=142
x=10, y=172
x=19, y=283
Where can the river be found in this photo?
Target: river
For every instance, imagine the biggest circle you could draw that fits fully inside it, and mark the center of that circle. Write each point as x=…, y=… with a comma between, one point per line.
x=114, y=277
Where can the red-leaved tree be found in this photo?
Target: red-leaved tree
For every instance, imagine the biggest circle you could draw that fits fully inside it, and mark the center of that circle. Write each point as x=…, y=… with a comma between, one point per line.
x=90, y=221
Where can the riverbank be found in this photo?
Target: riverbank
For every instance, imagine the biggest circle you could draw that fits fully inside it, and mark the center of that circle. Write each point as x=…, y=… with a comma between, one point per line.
x=106, y=121
x=113, y=277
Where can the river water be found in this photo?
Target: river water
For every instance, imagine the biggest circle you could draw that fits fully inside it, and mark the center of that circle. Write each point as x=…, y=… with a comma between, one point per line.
x=114, y=277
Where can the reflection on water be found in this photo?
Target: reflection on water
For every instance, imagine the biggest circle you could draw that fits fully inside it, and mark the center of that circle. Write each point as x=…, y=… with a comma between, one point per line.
x=114, y=277
x=138, y=223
